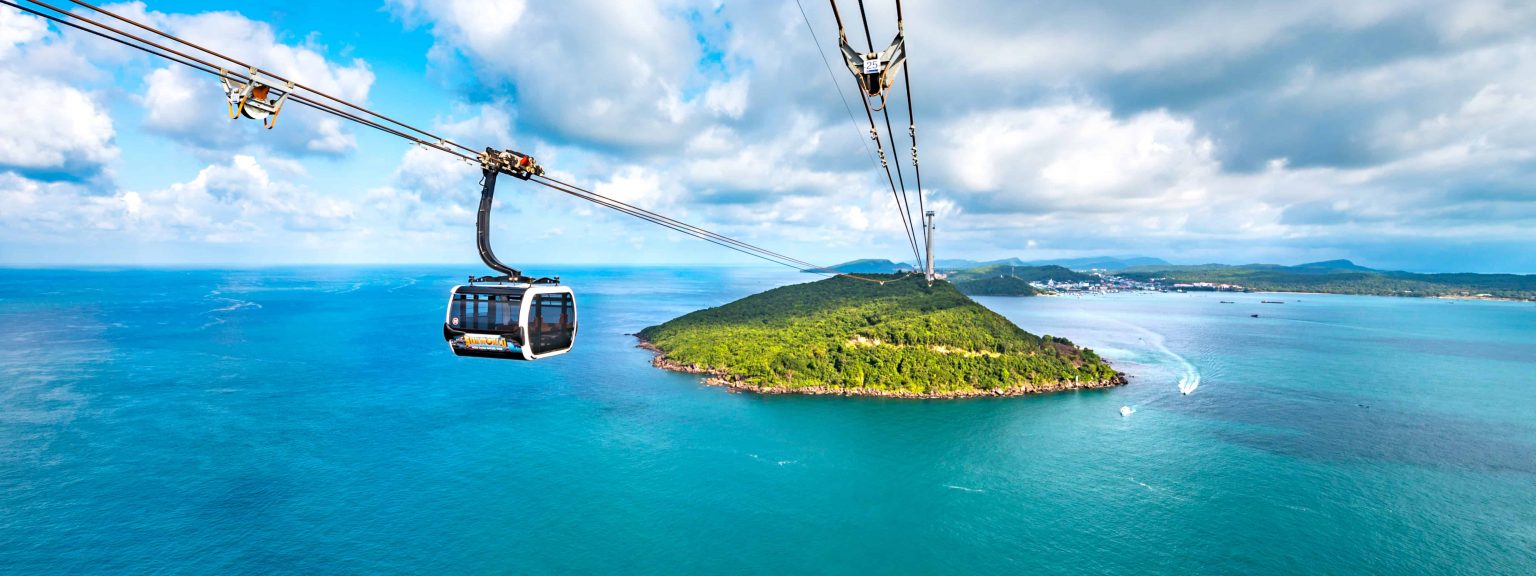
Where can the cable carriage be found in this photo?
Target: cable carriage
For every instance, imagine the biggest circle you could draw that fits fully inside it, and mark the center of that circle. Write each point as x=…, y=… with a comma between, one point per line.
x=511, y=316
x=875, y=71
x=253, y=99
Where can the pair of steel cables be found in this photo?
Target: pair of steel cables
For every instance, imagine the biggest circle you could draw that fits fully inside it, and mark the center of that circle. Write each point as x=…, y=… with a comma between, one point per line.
x=898, y=181
x=317, y=100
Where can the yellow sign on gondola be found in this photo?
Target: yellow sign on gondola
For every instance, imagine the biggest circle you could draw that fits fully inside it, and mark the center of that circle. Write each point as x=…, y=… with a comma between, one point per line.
x=484, y=340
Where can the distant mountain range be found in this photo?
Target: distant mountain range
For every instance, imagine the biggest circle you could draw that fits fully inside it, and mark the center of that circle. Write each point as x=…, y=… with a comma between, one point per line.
x=1110, y=263
x=868, y=266
x=1093, y=263
x=1025, y=273
x=1331, y=276
x=1329, y=265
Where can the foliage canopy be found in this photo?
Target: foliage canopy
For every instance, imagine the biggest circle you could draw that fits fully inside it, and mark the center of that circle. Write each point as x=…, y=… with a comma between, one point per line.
x=846, y=335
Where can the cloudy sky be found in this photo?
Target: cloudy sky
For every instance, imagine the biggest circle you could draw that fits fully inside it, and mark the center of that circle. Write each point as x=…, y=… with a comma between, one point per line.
x=1400, y=134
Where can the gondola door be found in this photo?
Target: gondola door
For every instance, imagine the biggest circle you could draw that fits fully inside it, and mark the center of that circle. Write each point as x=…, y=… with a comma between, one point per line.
x=551, y=322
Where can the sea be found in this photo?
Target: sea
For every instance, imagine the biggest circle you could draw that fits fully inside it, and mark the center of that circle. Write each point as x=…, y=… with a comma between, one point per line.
x=311, y=420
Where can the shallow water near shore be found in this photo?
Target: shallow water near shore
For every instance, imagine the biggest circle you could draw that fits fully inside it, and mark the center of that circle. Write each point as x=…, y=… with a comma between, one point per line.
x=311, y=420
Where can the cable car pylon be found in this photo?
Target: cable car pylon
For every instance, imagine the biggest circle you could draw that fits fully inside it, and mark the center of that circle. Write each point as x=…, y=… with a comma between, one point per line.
x=928, y=236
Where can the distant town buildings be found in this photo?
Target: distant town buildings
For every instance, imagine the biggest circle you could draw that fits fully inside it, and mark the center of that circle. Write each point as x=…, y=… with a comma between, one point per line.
x=1208, y=287
x=1105, y=283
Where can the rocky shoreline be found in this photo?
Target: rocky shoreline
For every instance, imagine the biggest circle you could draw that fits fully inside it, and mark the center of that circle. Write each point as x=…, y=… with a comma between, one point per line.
x=728, y=381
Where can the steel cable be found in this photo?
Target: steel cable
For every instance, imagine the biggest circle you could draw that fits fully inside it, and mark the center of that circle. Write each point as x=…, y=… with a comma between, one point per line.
x=570, y=189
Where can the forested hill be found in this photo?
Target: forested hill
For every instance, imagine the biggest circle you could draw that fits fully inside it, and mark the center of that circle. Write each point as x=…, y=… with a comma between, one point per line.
x=1008, y=280
x=1025, y=273
x=1345, y=277
x=996, y=286
x=846, y=336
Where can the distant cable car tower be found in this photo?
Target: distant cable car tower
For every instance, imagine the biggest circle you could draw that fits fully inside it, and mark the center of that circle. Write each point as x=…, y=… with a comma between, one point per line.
x=928, y=270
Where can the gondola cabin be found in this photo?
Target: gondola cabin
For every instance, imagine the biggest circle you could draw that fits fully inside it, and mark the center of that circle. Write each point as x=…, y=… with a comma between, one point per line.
x=510, y=321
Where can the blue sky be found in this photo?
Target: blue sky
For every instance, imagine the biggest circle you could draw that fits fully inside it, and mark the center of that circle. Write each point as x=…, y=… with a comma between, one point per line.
x=1399, y=134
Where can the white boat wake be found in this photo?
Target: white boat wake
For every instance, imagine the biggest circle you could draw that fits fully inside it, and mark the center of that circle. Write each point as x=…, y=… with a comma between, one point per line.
x=1189, y=382
x=1189, y=379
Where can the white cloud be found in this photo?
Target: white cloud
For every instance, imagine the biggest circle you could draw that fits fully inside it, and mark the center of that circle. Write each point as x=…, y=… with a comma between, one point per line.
x=600, y=73
x=1470, y=19
x=190, y=106
x=436, y=176
x=430, y=190
x=407, y=211
x=431, y=197
x=232, y=202
x=50, y=126
x=636, y=186
x=16, y=29
x=729, y=99
x=1073, y=157
x=482, y=26
x=1074, y=175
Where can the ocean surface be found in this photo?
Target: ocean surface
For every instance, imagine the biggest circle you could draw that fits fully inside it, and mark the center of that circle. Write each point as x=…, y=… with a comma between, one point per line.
x=312, y=421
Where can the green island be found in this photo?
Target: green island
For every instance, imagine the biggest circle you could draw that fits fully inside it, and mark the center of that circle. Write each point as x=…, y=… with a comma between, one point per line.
x=844, y=336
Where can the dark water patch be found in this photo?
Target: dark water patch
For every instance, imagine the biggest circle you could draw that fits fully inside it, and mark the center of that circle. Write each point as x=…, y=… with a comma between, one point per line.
x=1336, y=426
x=1498, y=351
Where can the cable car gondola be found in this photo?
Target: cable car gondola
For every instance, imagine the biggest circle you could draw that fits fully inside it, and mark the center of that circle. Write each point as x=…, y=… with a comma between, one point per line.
x=511, y=316
x=512, y=321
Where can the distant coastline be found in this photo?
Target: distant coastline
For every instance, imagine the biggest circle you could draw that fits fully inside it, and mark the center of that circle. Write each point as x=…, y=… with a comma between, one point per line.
x=1015, y=277
x=1436, y=297
x=1337, y=277
x=1488, y=298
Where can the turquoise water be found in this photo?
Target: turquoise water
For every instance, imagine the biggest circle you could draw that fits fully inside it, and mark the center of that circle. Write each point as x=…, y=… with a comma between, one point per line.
x=312, y=420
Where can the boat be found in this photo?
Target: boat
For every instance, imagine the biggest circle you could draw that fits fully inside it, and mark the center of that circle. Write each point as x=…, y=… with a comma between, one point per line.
x=1127, y=410
x=1253, y=315
x=1227, y=302
x=1270, y=302
x=1186, y=385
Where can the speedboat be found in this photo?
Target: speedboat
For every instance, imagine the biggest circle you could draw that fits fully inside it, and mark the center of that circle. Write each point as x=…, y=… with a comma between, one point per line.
x=1127, y=410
